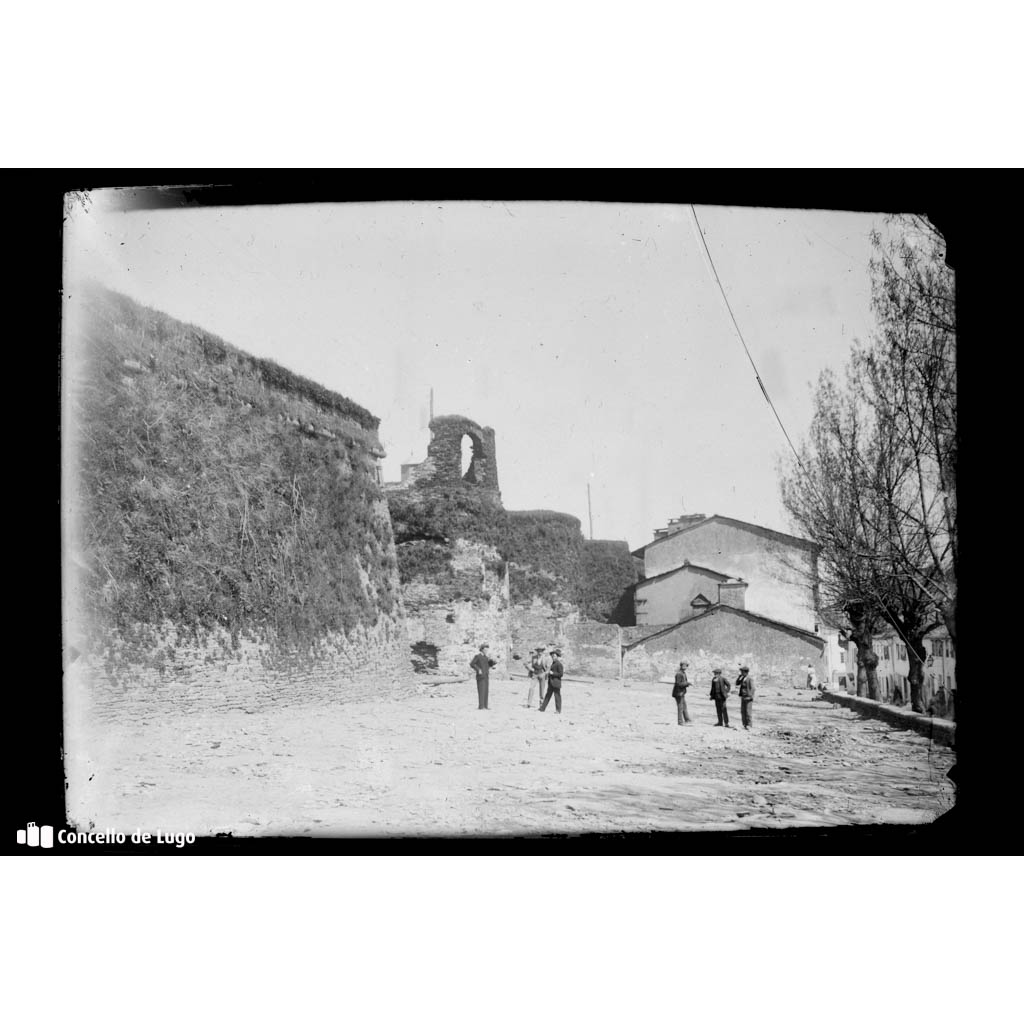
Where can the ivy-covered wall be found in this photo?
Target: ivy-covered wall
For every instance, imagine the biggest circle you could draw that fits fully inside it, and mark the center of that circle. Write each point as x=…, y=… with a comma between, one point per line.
x=210, y=494
x=608, y=573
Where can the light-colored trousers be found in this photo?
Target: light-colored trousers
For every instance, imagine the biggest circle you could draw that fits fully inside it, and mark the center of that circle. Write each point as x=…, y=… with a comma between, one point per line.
x=535, y=681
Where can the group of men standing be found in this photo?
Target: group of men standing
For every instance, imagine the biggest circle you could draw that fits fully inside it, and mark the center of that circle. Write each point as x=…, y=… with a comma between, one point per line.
x=545, y=677
x=546, y=672
x=720, y=690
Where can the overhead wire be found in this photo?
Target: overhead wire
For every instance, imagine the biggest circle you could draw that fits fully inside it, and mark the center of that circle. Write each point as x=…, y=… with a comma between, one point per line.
x=771, y=404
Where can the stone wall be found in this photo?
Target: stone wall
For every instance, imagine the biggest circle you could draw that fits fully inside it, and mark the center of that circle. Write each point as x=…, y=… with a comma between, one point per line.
x=167, y=671
x=451, y=615
x=593, y=649
x=226, y=540
x=443, y=464
x=725, y=640
x=939, y=730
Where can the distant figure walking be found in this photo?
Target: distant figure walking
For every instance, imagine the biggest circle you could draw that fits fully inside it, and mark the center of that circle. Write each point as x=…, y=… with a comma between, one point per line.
x=745, y=686
x=810, y=677
x=554, y=682
x=539, y=665
x=482, y=665
x=720, y=689
x=937, y=705
x=679, y=692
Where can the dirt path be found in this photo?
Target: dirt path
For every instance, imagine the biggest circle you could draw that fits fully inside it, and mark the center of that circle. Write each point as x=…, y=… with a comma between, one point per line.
x=431, y=764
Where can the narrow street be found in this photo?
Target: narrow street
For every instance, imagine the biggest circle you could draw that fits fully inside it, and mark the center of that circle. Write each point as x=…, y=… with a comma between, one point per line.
x=432, y=764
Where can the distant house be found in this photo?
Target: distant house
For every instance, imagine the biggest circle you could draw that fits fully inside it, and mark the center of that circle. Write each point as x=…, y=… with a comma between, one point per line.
x=893, y=663
x=781, y=569
x=718, y=591
x=725, y=636
x=673, y=595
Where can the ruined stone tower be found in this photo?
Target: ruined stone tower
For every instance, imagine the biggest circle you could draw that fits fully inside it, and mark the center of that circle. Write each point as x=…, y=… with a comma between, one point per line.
x=443, y=464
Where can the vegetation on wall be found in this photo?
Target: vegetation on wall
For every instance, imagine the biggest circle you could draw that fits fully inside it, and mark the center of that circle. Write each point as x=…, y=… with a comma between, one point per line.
x=443, y=514
x=608, y=576
x=207, y=498
x=547, y=555
x=172, y=343
x=546, y=552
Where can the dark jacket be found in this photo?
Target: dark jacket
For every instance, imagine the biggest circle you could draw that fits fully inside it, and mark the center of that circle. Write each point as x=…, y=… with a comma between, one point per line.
x=720, y=687
x=482, y=665
x=555, y=674
x=745, y=685
x=679, y=690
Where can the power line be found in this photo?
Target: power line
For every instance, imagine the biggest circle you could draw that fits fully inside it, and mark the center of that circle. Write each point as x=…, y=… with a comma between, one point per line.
x=739, y=333
x=771, y=404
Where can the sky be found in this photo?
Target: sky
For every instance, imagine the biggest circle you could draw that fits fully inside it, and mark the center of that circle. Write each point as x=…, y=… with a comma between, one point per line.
x=592, y=337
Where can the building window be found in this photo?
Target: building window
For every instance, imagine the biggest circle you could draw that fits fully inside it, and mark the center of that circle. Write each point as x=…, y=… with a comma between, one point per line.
x=885, y=652
x=937, y=648
x=901, y=651
x=842, y=657
x=949, y=648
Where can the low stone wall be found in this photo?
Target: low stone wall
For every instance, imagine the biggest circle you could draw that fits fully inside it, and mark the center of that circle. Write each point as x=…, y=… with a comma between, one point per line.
x=588, y=648
x=593, y=650
x=165, y=672
x=939, y=730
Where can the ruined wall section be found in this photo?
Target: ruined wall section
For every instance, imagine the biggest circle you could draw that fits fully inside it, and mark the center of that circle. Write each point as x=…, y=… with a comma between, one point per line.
x=227, y=541
x=456, y=543
x=442, y=467
x=451, y=536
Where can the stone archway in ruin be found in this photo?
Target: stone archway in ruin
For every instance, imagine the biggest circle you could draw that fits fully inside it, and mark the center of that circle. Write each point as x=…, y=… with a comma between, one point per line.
x=472, y=451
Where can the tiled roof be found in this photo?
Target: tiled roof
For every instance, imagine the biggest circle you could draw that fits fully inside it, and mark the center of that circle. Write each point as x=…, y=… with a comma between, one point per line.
x=687, y=565
x=785, y=538
x=743, y=613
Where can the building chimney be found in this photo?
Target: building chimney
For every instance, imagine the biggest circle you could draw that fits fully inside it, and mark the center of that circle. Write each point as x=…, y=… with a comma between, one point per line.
x=677, y=524
x=733, y=593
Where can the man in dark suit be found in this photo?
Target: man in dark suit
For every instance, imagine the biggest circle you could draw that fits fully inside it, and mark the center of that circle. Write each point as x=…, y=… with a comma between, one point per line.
x=482, y=665
x=720, y=689
x=745, y=685
x=554, y=682
x=679, y=692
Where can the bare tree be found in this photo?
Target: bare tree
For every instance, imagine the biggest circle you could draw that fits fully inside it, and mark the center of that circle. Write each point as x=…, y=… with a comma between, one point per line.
x=874, y=483
x=825, y=491
x=913, y=366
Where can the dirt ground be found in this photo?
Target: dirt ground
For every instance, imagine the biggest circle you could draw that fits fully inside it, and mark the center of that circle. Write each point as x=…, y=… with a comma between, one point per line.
x=432, y=764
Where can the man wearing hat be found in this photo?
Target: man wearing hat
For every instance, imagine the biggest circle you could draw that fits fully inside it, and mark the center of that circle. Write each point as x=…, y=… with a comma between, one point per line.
x=554, y=681
x=482, y=665
x=679, y=692
x=745, y=685
x=539, y=665
x=720, y=694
